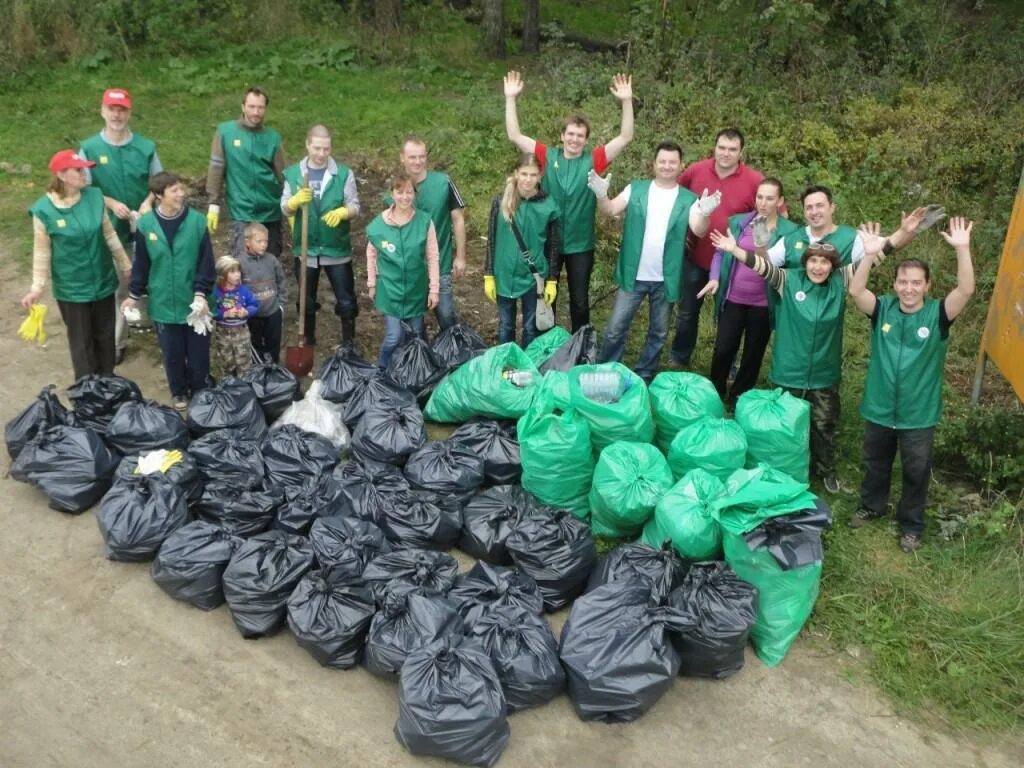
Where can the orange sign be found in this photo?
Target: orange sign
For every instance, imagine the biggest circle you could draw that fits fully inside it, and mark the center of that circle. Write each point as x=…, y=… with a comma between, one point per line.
x=1003, y=340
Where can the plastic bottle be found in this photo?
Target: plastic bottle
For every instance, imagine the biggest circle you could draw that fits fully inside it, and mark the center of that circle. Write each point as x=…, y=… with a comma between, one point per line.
x=602, y=386
x=520, y=379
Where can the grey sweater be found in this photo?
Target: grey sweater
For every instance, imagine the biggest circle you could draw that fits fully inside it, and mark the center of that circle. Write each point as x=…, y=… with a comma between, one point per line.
x=264, y=277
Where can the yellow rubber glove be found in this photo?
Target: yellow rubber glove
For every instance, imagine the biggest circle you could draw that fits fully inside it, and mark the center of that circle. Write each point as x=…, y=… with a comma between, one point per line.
x=335, y=217
x=301, y=197
x=550, y=291
x=212, y=218
x=31, y=328
x=490, y=290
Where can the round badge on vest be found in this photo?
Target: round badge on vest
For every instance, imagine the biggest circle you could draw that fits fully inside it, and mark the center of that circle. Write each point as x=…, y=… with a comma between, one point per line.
x=799, y=295
x=923, y=332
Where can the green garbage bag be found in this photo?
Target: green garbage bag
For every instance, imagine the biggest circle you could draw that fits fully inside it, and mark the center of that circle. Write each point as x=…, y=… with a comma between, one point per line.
x=686, y=516
x=544, y=346
x=717, y=445
x=479, y=388
x=628, y=419
x=556, y=456
x=755, y=495
x=678, y=400
x=629, y=480
x=778, y=428
x=557, y=383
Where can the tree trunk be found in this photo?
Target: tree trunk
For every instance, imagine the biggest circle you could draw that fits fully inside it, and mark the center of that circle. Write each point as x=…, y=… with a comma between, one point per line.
x=493, y=26
x=387, y=15
x=531, y=26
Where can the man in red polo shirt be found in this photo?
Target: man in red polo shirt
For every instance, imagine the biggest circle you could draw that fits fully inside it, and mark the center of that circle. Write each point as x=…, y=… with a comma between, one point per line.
x=725, y=173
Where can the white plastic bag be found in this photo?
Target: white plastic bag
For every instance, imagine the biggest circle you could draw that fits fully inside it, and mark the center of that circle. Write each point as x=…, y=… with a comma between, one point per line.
x=314, y=414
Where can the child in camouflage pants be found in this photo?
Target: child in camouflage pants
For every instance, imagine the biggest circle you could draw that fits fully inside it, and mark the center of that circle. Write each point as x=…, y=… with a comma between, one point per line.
x=232, y=305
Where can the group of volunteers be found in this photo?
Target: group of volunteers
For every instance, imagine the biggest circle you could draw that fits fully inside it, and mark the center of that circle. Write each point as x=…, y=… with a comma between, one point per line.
x=114, y=223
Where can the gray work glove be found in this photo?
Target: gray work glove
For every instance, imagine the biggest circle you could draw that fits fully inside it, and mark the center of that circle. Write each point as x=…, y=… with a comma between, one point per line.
x=933, y=214
x=598, y=185
x=762, y=232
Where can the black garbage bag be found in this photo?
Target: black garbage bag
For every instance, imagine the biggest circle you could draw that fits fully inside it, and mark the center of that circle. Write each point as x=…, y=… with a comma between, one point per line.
x=366, y=485
x=447, y=468
x=424, y=571
x=230, y=404
x=330, y=613
x=261, y=575
x=617, y=650
x=293, y=456
x=450, y=704
x=347, y=543
x=138, y=513
x=71, y=465
x=45, y=411
x=241, y=511
x=191, y=561
x=663, y=567
x=229, y=456
x=794, y=540
x=304, y=503
x=496, y=442
x=488, y=519
x=179, y=467
x=140, y=426
x=724, y=609
x=342, y=372
x=457, y=345
x=97, y=396
x=484, y=587
x=557, y=550
x=580, y=349
x=389, y=432
x=525, y=655
x=414, y=365
x=420, y=520
x=275, y=386
x=406, y=622
x=375, y=393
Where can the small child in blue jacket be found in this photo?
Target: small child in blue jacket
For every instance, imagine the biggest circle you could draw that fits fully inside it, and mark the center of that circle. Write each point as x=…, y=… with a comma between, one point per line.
x=232, y=304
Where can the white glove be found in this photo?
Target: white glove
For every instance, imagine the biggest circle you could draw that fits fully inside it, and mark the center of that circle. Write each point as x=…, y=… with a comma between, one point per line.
x=762, y=232
x=199, y=319
x=151, y=462
x=708, y=203
x=598, y=185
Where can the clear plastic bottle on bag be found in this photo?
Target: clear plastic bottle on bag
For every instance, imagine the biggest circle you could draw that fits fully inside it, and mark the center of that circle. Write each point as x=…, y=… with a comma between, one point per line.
x=602, y=386
x=520, y=379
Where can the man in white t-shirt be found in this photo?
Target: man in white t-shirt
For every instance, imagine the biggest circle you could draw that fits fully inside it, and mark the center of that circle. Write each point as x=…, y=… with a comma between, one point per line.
x=657, y=214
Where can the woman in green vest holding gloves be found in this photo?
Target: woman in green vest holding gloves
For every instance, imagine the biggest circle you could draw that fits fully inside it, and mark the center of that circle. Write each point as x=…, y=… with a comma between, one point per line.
x=522, y=245
x=76, y=248
x=402, y=266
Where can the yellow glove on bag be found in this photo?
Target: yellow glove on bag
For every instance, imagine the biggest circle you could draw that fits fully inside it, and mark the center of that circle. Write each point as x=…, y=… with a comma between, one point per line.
x=335, y=217
x=490, y=290
x=31, y=328
x=550, y=291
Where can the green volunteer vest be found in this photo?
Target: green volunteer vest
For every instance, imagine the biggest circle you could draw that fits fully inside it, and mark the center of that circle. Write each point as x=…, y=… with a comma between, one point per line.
x=512, y=278
x=565, y=181
x=402, y=279
x=903, y=389
x=633, y=239
x=172, y=270
x=783, y=228
x=121, y=172
x=252, y=191
x=333, y=242
x=81, y=266
x=432, y=198
x=842, y=239
x=808, y=351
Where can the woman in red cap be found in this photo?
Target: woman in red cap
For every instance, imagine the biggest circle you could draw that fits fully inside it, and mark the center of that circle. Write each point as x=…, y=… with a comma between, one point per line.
x=76, y=248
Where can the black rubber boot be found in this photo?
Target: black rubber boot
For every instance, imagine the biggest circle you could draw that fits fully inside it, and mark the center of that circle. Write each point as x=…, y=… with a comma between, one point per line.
x=348, y=331
x=310, y=329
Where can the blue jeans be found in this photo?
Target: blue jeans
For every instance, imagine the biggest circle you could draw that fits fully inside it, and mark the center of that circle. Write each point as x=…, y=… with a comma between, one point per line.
x=615, y=333
x=186, y=358
x=507, y=318
x=445, y=309
x=688, y=311
x=394, y=335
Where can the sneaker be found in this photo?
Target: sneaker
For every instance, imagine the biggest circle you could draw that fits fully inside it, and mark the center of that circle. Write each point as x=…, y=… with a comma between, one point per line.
x=862, y=516
x=180, y=405
x=831, y=483
x=909, y=542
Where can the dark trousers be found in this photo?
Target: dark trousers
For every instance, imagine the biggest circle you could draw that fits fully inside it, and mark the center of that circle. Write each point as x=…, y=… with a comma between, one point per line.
x=186, y=358
x=688, y=311
x=915, y=448
x=343, y=283
x=825, y=409
x=266, y=335
x=749, y=324
x=90, y=327
x=507, y=318
x=578, y=268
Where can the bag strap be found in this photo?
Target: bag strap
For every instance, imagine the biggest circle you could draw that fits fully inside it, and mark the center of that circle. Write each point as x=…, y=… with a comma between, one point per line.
x=523, y=250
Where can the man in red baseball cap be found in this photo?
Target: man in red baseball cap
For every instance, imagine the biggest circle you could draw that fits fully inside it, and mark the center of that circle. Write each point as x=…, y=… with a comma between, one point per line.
x=124, y=163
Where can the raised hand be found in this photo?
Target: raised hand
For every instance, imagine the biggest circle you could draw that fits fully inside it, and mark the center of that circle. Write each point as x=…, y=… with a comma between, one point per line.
x=871, y=236
x=762, y=232
x=708, y=203
x=513, y=82
x=909, y=222
x=723, y=242
x=598, y=185
x=959, y=235
x=622, y=86
x=932, y=215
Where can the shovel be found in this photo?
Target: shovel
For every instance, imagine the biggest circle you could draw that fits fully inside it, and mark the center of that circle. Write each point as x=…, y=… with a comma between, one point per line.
x=299, y=359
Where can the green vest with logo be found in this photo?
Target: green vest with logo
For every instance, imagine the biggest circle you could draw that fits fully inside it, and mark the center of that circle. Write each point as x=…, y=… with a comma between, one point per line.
x=402, y=278
x=172, y=269
x=512, y=278
x=81, y=266
x=334, y=242
x=633, y=239
x=843, y=239
x=808, y=351
x=252, y=191
x=565, y=181
x=432, y=198
x=121, y=172
x=903, y=389
x=783, y=228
